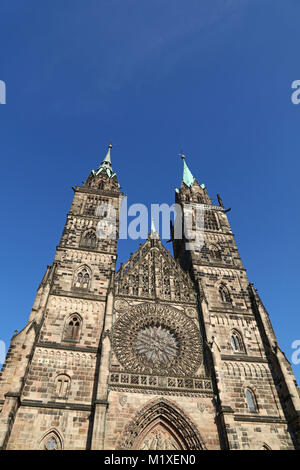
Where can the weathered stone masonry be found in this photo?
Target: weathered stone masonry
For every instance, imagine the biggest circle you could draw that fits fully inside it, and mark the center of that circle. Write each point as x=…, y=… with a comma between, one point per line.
x=167, y=353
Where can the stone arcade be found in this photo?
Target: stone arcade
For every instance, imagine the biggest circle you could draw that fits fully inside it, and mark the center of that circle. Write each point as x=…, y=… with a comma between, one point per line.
x=167, y=353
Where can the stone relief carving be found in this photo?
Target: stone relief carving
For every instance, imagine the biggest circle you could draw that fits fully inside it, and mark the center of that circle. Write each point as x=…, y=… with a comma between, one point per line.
x=201, y=407
x=107, y=333
x=121, y=305
x=150, y=429
x=191, y=312
x=159, y=439
x=122, y=400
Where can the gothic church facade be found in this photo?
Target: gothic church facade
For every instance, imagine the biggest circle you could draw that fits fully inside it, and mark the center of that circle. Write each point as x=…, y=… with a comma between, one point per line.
x=167, y=353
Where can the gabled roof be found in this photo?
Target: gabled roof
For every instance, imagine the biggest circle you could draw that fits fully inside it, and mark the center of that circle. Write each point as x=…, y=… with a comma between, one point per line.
x=152, y=272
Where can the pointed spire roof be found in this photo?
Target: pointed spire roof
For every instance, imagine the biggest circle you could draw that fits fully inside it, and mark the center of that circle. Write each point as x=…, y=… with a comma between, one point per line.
x=107, y=159
x=105, y=165
x=154, y=233
x=187, y=176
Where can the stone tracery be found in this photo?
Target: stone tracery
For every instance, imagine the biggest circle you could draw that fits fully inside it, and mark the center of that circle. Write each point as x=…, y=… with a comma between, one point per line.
x=153, y=272
x=157, y=345
x=161, y=425
x=157, y=339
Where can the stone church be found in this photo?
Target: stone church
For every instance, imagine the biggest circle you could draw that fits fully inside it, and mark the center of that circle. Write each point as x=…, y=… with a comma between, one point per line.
x=166, y=353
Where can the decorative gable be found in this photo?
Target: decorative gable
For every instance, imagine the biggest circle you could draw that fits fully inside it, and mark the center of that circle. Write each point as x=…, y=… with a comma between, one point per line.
x=153, y=273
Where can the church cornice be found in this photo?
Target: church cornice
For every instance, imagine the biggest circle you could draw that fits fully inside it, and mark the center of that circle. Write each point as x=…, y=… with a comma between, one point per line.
x=72, y=347
x=259, y=419
x=219, y=232
x=102, y=192
x=157, y=300
x=243, y=358
x=100, y=252
x=73, y=215
x=78, y=295
x=170, y=392
x=55, y=405
x=231, y=311
x=218, y=265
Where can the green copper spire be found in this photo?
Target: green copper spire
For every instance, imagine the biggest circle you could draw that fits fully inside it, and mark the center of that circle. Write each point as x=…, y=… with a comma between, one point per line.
x=105, y=165
x=187, y=176
x=107, y=158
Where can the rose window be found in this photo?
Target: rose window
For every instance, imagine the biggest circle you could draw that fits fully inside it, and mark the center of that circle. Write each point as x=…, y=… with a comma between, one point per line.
x=157, y=339
x=157, y=344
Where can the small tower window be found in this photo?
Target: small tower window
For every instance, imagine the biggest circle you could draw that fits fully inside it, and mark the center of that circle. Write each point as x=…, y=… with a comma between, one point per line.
x=251, y=401
x=210, y=221
x=51, y=442
x=224, y=294
x=89, y=240
x=215, y=252
x=237, y=342
x=72, y=329
x=82, y=279
x=62, y=386
x=89, y=209
x=200, y=199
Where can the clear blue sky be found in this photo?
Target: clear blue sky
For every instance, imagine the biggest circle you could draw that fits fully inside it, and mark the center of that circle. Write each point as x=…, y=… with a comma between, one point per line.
x=211, y=77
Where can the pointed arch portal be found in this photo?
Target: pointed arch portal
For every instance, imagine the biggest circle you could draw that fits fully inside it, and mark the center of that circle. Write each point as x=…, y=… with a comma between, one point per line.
x=161, y=425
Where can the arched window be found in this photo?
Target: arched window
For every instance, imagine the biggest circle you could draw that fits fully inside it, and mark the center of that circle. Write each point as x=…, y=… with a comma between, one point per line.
x=210, y=221
x=237, y=342
x=200, y=199
x=51, y=441
x=82, y=279
x=252, y=406
x=135, y=284
x=89, y=240
x=215, y=252
x=62, y=386
x=101, y=185
x=72, y=328
x=224, y=294
x=187, y=198
x=89, y=209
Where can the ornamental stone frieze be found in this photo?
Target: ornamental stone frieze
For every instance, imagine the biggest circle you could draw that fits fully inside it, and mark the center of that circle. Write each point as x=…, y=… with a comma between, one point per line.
x=153, y=384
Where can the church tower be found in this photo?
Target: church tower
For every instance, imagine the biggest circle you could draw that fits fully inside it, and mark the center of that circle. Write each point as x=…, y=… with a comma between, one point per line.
x=166, y=353
x=256, y=394
x=49, y=381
